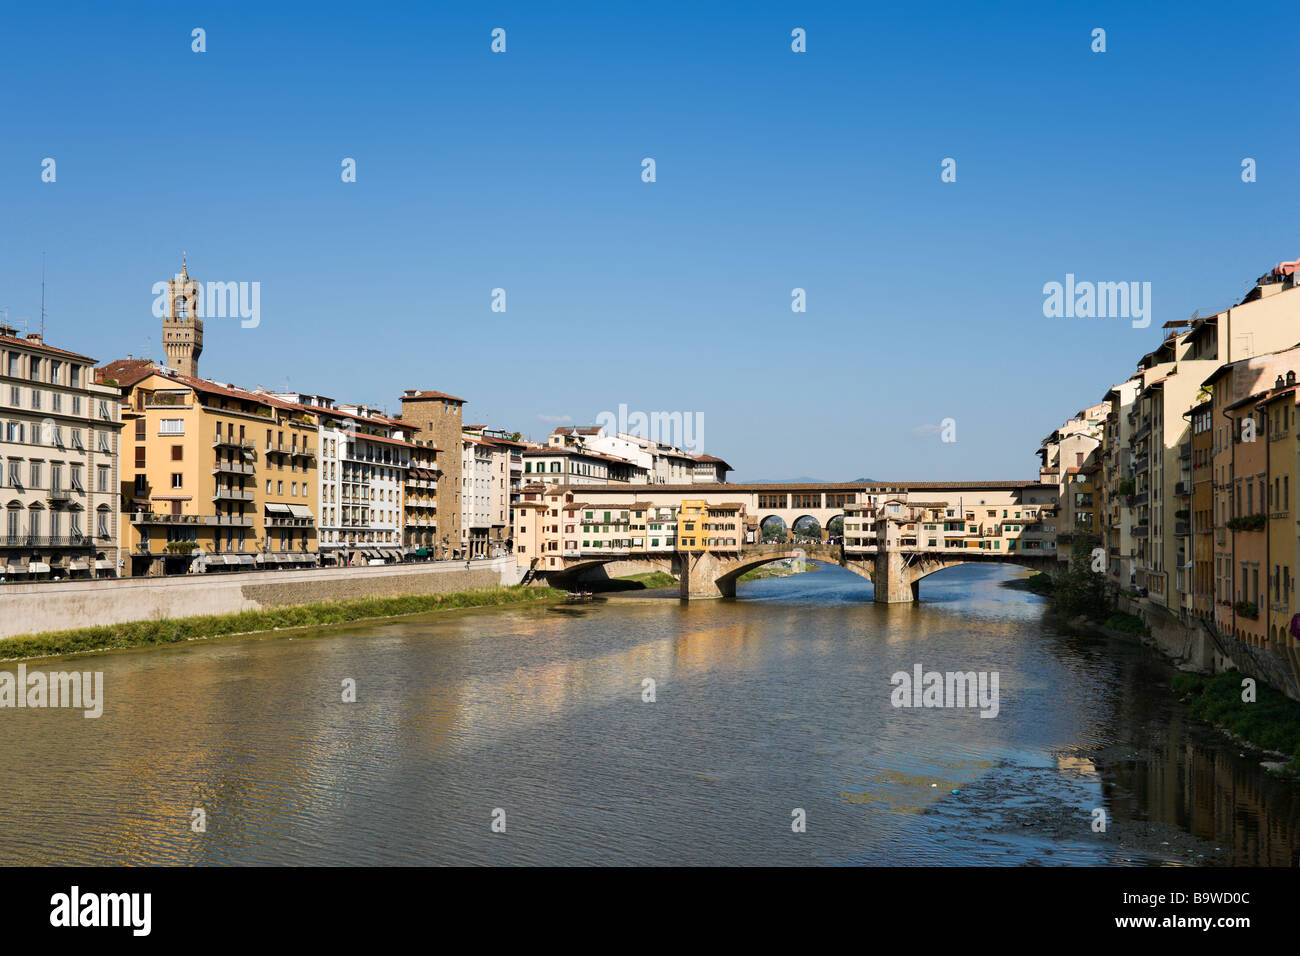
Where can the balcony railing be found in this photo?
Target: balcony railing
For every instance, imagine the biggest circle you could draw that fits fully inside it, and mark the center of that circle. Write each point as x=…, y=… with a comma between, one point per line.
x=51, y=541
x=154, y=518
x=235, y=443
x=232, y=494
x=223, y=467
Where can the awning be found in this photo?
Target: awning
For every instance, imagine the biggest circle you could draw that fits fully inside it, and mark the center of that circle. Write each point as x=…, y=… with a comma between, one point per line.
x=300, y=511
x=103, y=565
x=277, y=509
x=15, y=569
x=245, y=560
x=38, y=567
x=80, y=564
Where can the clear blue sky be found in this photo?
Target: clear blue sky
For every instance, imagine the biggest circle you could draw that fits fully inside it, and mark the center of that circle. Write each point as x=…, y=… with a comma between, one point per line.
x=775, y=170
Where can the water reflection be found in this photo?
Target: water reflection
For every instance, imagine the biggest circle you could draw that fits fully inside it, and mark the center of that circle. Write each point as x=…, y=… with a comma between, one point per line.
x=776, y=701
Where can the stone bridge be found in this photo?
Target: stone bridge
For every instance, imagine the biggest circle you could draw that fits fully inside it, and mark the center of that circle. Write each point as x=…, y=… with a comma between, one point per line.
x=895, y=574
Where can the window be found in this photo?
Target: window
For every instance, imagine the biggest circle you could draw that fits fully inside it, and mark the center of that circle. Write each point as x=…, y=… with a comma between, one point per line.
x=101, y=478
x=139, y=458
x=178, y=452
x=178, y=480
x=171, y=426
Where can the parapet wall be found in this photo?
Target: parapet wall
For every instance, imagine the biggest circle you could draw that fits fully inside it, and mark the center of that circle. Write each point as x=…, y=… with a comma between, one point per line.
x=63, y=605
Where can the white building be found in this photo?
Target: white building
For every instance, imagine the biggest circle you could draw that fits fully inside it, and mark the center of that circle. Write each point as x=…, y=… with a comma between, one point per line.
x=362, y=477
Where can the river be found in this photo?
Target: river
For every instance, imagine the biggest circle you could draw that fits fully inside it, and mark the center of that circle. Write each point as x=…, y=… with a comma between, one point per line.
x=768, y=710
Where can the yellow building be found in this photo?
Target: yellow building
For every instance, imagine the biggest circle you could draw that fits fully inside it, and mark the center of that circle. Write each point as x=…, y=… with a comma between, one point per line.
x=214, y=478
x=1278, y=411
x=691, y=520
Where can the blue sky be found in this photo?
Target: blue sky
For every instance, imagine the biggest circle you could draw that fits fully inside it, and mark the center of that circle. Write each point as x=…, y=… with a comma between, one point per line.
x=775, y=170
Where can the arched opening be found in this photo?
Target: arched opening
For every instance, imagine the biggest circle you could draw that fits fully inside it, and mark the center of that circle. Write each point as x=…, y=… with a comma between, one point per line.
x=773, y=528
x=835, y=530
x=808, y=530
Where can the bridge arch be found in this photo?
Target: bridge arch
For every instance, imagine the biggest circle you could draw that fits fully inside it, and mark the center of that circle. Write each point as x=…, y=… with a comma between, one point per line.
x=804, y=524
x=772, y=520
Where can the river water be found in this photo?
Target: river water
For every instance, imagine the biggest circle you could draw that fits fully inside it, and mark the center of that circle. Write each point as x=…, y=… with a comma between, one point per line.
x=769, y=709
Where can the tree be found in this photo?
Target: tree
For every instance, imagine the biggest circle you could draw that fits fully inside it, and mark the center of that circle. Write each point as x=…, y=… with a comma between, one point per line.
x=1079, y=589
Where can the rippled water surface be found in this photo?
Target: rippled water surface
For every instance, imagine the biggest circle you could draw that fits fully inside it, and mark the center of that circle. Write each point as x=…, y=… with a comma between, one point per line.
x=778, y=700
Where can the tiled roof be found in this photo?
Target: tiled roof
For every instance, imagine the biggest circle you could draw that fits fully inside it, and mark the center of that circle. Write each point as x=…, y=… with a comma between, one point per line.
x=433, y=394
x=42, y=347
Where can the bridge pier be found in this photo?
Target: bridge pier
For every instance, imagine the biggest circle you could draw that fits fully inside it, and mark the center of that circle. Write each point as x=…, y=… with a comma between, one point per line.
x=703, y=576
x=891, y=582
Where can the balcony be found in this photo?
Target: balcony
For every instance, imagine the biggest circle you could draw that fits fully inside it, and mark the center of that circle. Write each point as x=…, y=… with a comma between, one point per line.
x=1182, y=529
x=60, y=494
x=223, y=467
x=55, y=541
x=243, y=446
x=1185, y=451
x=232, y=494
x=1140, y=530
x=280, y=521
x=301, y=451
x=1183, y=489
x=211, y=521
x=1140, y=465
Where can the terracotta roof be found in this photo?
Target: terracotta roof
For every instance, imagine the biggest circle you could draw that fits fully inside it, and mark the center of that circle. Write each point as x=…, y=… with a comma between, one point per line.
x=712, y=460
x=42, y=347
x=827, y=486
x=126, y=372
x=431, y=394
x=544, y=450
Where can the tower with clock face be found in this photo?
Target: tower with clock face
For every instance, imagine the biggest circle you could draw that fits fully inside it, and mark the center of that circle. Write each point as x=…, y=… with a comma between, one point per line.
x=182, y=331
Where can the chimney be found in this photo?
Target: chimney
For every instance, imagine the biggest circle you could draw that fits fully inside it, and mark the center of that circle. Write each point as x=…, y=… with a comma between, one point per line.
x=1290, y=377
x=34, y=337
x=1278, y=383
x=8, y=330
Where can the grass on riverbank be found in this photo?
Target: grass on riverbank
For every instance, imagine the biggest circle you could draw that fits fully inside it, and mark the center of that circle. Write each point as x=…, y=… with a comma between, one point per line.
x=776, y=571
x=651, y=580
x=1128, y=623
x=178, y=630
x=1272, y=721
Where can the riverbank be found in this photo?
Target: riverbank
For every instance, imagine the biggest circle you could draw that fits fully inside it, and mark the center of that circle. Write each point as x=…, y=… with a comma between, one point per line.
x=178, y=630
x=1265, y=720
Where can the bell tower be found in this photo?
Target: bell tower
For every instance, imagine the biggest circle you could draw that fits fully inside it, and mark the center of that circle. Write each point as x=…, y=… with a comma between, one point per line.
x=182, y=331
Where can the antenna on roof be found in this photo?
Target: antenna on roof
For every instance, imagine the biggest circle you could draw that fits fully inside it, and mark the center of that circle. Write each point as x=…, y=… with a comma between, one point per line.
x=42, y=295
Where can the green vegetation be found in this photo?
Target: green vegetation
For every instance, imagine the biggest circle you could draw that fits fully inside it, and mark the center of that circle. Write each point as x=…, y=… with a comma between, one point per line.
x=1253, y=522
x=178, y=630
x=1040, y=582
x=774, y=571
x=1271, y=721
x=1079, y=589
x=651, y=579
x=1128, y=623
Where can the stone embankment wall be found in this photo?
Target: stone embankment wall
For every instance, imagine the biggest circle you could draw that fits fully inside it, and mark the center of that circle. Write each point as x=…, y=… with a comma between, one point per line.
x=57, y=606
x=1202, y=647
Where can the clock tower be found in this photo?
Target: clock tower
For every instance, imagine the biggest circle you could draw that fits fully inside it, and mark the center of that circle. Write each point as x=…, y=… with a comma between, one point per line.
x=182, y=332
